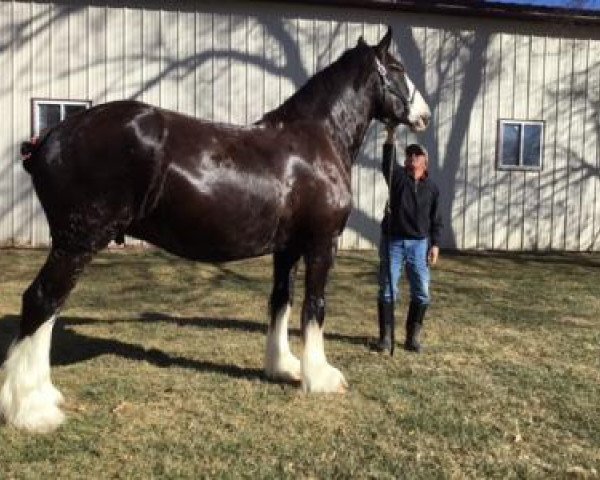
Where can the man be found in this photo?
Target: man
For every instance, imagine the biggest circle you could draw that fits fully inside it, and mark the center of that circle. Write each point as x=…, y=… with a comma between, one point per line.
x=410, y=233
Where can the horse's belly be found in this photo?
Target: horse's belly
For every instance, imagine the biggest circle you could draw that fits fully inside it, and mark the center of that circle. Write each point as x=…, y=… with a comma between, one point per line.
x=210, y=235
x=217, y=212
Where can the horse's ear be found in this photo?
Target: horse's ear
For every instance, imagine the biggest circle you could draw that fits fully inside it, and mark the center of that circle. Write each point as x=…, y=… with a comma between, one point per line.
x=361, y=41
x=384, y=45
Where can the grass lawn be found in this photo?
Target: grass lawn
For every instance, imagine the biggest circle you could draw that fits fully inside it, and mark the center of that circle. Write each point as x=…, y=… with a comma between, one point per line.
x=160, y=361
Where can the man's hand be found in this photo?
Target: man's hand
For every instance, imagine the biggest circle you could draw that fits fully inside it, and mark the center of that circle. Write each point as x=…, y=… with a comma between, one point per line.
x=434, y=253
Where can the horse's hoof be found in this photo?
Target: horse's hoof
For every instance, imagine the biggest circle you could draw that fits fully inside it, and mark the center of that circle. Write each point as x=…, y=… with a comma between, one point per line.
x=285, y=368
x=35, y=418
x=44, y=421
x=324, y=379
x=53, y=395
x=33, y=410
x=343, y=386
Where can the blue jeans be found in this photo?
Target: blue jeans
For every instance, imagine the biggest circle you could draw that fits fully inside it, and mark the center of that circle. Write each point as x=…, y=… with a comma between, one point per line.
x=413, y=254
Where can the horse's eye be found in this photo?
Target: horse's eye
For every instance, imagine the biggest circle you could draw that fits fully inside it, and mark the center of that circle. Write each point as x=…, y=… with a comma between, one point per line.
x=396, y=68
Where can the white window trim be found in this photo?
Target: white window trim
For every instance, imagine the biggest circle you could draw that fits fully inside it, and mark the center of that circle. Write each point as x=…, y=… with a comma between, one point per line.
x=499, y=149
x=35, y=110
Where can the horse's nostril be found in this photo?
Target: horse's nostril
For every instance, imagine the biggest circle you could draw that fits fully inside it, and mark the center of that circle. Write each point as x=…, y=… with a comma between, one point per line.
x=425, y=120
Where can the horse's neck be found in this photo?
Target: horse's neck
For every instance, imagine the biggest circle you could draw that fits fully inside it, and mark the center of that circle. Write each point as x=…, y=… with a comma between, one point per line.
x=334, y=101
x=348, y=121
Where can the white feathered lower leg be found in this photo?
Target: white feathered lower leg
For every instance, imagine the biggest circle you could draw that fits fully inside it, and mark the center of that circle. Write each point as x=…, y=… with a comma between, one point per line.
x=317, y=374
x=28, y=400
x=280, y=362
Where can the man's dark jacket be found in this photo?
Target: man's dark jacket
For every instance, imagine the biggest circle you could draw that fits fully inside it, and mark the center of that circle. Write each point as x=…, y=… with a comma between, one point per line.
x=415, y=204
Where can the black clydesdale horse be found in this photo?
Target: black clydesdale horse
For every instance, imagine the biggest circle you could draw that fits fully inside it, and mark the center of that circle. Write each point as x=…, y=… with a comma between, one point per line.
x=208, y=192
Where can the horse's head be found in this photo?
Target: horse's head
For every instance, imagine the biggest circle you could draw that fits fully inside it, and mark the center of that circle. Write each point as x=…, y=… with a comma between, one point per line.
x=398, y=101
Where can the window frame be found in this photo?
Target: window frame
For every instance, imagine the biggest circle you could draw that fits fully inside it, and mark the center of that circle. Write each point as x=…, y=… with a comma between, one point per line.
x=500, y=147
x=37, y=101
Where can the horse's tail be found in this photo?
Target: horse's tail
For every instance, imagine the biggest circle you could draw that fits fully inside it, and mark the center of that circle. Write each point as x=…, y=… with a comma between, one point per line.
x=30, y=147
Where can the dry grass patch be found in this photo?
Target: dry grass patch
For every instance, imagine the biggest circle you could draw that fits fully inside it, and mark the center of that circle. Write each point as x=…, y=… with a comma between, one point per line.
x=161, y=364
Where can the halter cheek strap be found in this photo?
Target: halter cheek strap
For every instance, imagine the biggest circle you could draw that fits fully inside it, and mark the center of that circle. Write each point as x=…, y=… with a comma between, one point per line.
x=393, y=89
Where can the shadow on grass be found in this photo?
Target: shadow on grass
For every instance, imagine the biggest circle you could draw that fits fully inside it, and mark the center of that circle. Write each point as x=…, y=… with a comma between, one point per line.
x=236, y=324
x=70, y=347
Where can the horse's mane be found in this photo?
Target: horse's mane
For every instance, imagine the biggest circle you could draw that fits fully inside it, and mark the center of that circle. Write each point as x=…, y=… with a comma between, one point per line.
x=316, y=97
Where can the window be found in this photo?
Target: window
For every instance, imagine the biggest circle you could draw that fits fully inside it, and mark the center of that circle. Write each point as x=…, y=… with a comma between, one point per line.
x=47, y=113
x=520, y=145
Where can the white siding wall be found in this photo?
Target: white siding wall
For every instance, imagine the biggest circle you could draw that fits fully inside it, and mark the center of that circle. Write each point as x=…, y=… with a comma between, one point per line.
x=232, y=61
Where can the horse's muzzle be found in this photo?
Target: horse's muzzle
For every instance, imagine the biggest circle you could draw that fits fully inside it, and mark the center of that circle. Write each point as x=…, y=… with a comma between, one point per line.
x=420, y=124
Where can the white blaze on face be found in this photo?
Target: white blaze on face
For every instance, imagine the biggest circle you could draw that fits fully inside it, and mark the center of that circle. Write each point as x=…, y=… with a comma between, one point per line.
x=28, y=400
x=419, y=112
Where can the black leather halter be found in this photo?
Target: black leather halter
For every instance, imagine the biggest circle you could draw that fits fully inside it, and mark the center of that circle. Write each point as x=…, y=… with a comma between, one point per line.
x=399, y=90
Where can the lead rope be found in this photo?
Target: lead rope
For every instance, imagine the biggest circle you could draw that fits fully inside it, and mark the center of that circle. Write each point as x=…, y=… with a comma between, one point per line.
x=388, y=242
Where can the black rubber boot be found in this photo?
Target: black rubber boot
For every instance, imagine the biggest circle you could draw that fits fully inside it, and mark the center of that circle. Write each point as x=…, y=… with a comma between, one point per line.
x=414, y=324
x=385, y=313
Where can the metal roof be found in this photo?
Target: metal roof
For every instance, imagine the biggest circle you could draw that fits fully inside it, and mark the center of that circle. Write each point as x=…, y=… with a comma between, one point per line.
x=470, y=8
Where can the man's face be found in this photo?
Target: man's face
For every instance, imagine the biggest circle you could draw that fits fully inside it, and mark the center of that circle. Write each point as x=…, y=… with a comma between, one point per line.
x=416, y=164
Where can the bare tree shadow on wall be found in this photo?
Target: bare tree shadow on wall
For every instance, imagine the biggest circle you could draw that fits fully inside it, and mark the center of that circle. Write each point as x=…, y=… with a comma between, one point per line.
x=459, y=66
x=285, y=32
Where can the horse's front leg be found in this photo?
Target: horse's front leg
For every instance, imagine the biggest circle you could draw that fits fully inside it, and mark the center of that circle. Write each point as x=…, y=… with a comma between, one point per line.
x=280, y=362
x=317, y=374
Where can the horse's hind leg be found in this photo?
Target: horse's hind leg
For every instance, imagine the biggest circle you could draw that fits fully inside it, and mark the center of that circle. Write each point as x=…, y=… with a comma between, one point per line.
x=28, y=400
x=280, y=363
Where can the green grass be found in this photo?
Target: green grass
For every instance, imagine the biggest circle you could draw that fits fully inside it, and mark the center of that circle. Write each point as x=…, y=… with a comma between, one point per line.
x=160, y=361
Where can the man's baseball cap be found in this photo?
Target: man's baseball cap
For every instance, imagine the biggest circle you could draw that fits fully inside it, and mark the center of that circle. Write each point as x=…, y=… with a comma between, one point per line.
x=416, y=148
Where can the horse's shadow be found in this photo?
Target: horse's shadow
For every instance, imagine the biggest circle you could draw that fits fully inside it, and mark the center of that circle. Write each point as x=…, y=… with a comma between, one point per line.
x=71, y=347
x=245, y=325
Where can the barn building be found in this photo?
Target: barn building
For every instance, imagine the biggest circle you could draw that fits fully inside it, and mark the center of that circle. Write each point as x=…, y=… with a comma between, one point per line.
x=514, y=91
